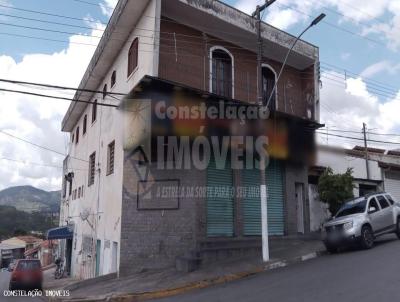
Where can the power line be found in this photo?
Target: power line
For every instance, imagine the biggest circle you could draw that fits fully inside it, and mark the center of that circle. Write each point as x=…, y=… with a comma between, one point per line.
x=359, y=139
x=335, y=26
x=39, y=146
x=51, y=14
x=35, y=164
x=59, y=87
x=57, y=97
x=49, y=22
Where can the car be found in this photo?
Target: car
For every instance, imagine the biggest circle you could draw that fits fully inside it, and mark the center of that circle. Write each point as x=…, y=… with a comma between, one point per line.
x=361, y=220
x=26, y=275
x=4, y=269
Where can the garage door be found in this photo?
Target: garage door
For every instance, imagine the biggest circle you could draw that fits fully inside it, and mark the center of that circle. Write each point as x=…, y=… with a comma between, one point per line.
x=251, y=202
x=392, y=184
x=220, y=204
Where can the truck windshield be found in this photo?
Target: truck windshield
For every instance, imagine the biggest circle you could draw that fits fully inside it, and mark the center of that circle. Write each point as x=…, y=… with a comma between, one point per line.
x=352, y=207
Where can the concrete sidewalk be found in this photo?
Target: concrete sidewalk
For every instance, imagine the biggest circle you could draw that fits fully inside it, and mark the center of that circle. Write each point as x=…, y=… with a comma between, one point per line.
x=162, y=283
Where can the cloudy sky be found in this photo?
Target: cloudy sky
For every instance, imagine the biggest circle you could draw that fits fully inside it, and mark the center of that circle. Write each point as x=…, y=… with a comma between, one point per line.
x=359, y=45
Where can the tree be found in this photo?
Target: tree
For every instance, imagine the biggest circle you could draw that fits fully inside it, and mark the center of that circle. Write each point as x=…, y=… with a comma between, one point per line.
x=335, y=189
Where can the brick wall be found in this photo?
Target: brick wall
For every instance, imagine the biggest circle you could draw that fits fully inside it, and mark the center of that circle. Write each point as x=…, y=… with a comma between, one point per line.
x=154, y=238
x=184, y=54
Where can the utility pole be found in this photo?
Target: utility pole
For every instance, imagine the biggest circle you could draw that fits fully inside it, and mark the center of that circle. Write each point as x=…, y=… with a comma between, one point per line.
x=263, y=183
x=260, y=101
x=366, y=149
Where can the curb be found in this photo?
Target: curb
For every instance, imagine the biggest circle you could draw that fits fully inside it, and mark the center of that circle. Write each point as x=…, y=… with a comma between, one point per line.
x=164, y=293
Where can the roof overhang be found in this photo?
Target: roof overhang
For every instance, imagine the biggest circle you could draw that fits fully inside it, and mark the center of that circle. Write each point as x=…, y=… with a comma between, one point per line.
x=149, y=84
x=230, y=24
x=124, y=19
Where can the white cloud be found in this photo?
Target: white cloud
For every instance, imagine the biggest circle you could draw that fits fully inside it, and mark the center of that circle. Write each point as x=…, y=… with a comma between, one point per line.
x=349, y=106
x=368, y=15
x=379, y=67
x=38, y=119
x=107, y=7
x=345, y=56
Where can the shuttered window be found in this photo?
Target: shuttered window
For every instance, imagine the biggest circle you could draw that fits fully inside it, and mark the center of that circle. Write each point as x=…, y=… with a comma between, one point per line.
x=92, y=163
x=110, y=158
x=94, y=111
x=113, y=78
x=84, y=124
x=133, y=56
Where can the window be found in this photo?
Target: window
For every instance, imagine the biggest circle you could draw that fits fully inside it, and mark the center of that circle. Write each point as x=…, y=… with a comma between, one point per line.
x=84, y=124
x=79, y=192
x=390, y=199
x=104, y=91
x=373, y=204
x=222, y=73
x=113, y=78
x=383, y=202
x=94, y=111
x=92, y=162
x=64, y=186
x=73, y=138
x=77, y=135
x=133, y=56
x=268, y=82
x=82, y=192
x=110, y=158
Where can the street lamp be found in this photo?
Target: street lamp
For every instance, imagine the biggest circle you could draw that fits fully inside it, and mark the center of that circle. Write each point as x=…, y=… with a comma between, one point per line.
x=263, y=185
x=313, y=23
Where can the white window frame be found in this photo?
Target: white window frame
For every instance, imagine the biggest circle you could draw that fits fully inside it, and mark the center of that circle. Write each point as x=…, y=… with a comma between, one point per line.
x=212, y=49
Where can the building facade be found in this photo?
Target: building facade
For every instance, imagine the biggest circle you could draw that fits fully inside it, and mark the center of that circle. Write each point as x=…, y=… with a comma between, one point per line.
x=182, y=53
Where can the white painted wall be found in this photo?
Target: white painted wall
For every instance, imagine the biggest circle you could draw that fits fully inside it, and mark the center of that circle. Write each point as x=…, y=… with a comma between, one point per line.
x=340, y=162
x=319, y=211
x=103, y=199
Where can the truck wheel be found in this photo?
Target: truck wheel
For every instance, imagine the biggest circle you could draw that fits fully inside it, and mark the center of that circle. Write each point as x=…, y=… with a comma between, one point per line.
x=367, y=237
x=398, y=228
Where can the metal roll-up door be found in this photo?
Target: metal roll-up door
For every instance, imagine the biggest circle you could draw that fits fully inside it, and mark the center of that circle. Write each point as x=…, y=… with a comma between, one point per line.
x=251, y=202
x=220, y=204
x=392, y=184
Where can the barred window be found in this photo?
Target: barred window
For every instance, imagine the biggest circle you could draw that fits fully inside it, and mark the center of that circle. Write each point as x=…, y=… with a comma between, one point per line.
x=110, y=158
x=221, y=72
x=92, y=163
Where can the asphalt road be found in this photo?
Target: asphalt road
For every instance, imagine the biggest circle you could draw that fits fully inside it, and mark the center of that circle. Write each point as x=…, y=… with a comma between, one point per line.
x=4, y=280
x=352, y=276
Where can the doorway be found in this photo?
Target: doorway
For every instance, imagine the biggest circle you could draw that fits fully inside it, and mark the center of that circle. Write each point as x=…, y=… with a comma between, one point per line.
x=299, y=188
x=68, y=256
x=114, y=257
x=98, y=250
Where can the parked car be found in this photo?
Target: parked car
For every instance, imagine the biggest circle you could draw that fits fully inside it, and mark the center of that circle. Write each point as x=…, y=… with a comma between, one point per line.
x=361, y=220
x=26, y=275
x=4, y=269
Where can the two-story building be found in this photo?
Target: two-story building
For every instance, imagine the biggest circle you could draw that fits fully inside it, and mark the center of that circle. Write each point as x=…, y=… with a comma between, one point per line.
x=128, y=203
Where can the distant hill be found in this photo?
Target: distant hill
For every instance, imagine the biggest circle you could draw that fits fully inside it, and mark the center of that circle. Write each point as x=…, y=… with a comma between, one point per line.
x=30, y=199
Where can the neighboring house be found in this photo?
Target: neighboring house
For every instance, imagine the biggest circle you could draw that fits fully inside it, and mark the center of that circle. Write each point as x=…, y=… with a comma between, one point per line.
x=15, y=247
x=10, y=251
x=45, y=251
x=181, y=52
x=384, y=175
